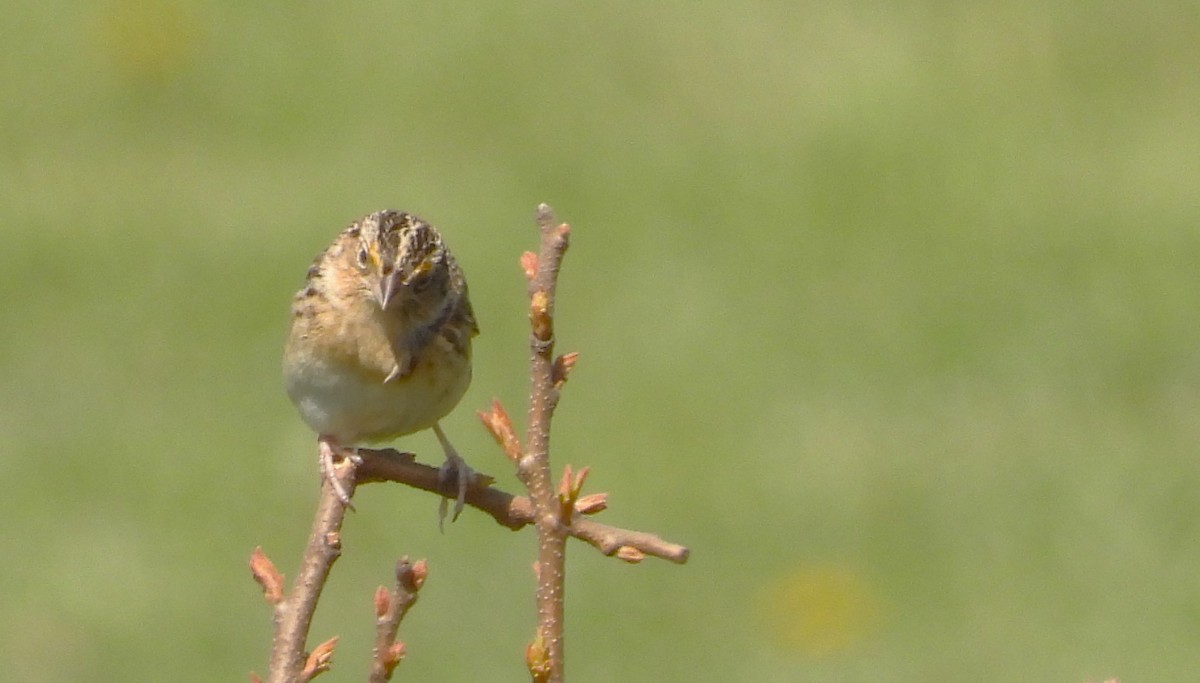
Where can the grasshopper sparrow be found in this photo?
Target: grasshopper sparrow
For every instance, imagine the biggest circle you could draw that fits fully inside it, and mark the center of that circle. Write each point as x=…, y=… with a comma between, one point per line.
x=380, y=343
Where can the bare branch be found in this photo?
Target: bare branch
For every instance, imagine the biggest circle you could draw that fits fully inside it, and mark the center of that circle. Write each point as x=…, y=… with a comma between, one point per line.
x=511, y=511
x=294, y=613
x=533, y=468
x=390, y=608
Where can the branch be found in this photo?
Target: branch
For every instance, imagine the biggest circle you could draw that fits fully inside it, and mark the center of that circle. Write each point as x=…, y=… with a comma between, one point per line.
x=294, y=612
x=512, y=511
x=390, y=608
x=545, y=658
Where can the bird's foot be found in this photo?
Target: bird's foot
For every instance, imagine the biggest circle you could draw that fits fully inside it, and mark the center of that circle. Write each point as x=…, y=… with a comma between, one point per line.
x=327, y=451
x=455, y=474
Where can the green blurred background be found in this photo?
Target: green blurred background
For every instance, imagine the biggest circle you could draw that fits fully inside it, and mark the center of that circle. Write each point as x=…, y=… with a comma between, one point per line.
x=887, y=310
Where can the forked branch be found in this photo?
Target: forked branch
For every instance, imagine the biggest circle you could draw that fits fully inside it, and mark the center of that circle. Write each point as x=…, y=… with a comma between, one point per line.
x=293, y=612
x=516, y=512
x=556, y=512
x=545, y=655
x=390, y=608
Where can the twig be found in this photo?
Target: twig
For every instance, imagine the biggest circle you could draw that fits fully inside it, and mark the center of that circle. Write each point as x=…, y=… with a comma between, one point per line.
x=545, y=657
x=512, y=511
x=390, y=608
x=294, y=612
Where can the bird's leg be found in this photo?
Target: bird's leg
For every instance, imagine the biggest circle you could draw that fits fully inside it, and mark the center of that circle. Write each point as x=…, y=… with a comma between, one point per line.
x=327, y=448
x=454, y=467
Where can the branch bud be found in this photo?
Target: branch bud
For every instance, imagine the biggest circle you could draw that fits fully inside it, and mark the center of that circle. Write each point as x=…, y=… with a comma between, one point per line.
x=420, y=570
x=383, y=602
x=529, y=263
x=539, y=316
x=592, y=503
x=630, y=554
x=394, y=654
x=319, y=660
x=499, y=425
x=537, y=658
x=562, y=367
x=267, y=576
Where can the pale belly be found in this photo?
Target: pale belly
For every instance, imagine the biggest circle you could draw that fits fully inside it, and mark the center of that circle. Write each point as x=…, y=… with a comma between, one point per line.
x=353, y=409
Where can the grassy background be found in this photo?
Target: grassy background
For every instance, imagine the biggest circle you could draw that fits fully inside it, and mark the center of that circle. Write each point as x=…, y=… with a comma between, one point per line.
x=889, y=311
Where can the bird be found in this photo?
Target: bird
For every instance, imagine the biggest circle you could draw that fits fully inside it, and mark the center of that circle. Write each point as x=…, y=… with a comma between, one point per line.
x=380, y=342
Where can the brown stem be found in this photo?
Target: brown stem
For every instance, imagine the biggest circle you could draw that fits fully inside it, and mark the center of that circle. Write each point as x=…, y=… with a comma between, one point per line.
x=293, y=615
x=390, y=608
x=510, y=511
x=533, y=468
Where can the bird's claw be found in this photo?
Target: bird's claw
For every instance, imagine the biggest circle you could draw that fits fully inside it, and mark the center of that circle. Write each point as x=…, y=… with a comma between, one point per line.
x=325, y=459
x=456, y=475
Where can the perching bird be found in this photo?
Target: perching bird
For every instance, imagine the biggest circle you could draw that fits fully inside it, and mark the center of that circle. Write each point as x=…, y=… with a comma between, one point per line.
x=380, y=341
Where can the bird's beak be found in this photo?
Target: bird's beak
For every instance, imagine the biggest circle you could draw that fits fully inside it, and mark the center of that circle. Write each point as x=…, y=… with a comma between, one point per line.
x=386, y=289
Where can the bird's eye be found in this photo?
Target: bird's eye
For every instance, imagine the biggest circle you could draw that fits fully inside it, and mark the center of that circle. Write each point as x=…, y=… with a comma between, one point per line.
x=362, y=257
x=421, y=282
